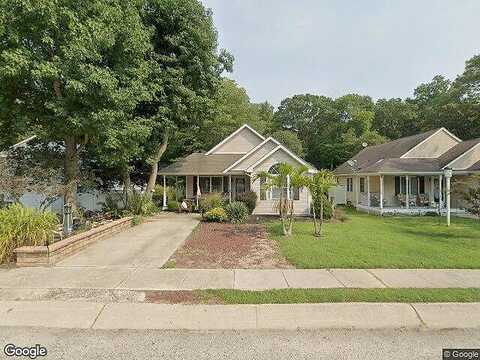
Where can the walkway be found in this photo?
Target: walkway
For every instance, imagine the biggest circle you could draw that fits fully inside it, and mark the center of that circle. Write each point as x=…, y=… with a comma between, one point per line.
x=89, y=315
x=149, y=278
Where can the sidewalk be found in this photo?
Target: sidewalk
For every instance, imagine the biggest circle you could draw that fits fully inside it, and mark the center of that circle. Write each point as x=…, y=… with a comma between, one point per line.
x=83, y=315
x=141, y=278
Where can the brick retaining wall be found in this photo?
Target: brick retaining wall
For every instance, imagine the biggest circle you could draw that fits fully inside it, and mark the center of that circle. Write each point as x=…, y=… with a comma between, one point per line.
x=53, y=253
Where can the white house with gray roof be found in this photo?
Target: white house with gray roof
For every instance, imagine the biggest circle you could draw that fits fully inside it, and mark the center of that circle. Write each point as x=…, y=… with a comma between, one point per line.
x=230, y=168
x=415, y=174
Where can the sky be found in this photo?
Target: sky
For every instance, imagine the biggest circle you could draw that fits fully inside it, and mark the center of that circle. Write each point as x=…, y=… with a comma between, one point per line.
x=380, y=48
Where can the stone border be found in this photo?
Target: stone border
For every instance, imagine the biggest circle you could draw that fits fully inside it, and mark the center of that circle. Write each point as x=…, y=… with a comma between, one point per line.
x=53, y=253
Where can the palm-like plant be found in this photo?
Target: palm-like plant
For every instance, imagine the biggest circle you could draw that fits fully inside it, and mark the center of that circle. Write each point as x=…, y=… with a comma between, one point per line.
x=319, y=185
x=286, y=177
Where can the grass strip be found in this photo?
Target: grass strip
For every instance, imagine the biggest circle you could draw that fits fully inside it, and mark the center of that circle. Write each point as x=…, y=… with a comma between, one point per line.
x=336, y=295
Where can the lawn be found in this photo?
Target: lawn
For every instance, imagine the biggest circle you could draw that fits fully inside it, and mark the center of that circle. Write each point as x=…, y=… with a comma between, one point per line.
x=368, y=241
x=293, y=296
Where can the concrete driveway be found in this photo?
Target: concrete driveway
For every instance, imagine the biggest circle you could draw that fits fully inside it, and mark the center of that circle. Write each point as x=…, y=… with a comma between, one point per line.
x=147, y=245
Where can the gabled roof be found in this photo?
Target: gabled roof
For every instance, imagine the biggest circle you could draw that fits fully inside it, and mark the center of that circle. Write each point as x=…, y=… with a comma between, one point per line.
x=251, y=152
x=457, y=151
x=200, y=164
x=244, y=126
x=390, y=150
x=222, y=163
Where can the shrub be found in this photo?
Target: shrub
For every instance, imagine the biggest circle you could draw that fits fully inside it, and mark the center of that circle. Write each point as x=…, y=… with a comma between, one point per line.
x=173, y=206
x=217, y=214
x=21, y=226
x=209, y=202
x=112, y=205
x=141, y=204
x=157, y=195
x=249, y=198
x=237, y=212
x=137, y=220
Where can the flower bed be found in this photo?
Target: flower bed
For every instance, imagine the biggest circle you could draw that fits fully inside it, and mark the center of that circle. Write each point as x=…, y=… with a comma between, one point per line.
x=53, y=253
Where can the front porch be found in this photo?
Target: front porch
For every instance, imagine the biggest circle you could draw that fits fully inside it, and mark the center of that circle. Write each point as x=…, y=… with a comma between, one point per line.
x=409, y=194
x=193, y=187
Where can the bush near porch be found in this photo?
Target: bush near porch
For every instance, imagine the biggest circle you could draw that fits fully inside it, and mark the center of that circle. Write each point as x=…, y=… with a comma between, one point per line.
x=368, y=241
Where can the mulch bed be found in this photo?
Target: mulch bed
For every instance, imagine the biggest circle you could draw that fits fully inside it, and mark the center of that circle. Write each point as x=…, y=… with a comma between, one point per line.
x=227, y=246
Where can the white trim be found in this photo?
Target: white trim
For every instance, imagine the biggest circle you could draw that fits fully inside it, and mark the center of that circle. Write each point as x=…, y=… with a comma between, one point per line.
x=279, y=147
x=250, y=153
x=231, y=153
x=232, y=135
x=428, y=138
x=460, y=156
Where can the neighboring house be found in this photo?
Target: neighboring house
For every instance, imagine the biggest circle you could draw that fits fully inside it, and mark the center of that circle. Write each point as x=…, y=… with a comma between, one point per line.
x=230, y=168
x=410, y=175
x=89, y=200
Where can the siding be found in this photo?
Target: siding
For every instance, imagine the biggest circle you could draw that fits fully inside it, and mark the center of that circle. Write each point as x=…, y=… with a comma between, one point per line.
x=469, y=158
x=242, y=142
x=435, y=146
x=257, y=155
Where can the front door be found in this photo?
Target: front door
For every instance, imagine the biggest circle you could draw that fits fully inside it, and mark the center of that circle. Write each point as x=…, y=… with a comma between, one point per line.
x=239, y=185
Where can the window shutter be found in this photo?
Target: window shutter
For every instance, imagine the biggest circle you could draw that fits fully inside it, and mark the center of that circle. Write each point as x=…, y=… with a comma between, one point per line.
x=397, y=185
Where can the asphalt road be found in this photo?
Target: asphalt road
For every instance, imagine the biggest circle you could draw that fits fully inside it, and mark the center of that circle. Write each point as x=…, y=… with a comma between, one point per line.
x=332, y=344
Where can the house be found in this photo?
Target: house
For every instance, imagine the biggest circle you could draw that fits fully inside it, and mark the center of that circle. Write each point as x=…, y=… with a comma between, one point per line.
x=230, y=168
x=414, y=175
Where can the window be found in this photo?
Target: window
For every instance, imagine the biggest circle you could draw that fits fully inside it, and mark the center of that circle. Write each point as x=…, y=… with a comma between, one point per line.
x=204, y=182
x=362, y=185
x=295, y=193
x=216, y=184
x=263, y=192
x=349, y=184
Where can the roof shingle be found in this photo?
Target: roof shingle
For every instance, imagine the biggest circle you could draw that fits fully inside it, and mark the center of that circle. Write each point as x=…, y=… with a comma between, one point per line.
x=200, y=164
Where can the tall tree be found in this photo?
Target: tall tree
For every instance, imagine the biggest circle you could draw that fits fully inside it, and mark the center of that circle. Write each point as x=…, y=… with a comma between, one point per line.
x=185, y=73
x=71, y=69
x=395, y=118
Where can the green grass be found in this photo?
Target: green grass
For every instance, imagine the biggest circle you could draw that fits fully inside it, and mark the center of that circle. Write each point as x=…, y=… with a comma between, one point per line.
x=368, y=241
x=293, y=296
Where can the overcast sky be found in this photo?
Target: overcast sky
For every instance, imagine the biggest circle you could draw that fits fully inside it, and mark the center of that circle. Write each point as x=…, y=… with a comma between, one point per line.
x=379, y=48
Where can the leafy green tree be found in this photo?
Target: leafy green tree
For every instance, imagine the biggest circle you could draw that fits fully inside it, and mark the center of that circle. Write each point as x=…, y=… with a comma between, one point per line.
x=185, y=69
x=395, y=118
x=290, y=140
x=319, y=186
x=71, y=70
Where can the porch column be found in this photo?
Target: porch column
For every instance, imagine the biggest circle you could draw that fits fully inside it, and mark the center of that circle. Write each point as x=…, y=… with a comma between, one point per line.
x=431, y=198
x=197, y=190
x=230, y=188
x=288, y=187
x=164, y=192
x=407, y=191
x=210, y=184
x=448, y=176
x=357, y=190
x=440, y=194
x=368, y=191
x=381, y=193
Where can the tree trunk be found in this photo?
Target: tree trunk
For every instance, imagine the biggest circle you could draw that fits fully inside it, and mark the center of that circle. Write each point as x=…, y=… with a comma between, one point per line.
x=315, y=228
x=321, y=219
x=126, y=186
x=154, y=169
x=290, y=225
x=71, y=171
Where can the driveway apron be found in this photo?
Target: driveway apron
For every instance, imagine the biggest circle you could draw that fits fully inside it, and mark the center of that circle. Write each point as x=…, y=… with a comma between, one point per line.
x=147, y=245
